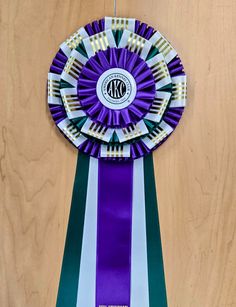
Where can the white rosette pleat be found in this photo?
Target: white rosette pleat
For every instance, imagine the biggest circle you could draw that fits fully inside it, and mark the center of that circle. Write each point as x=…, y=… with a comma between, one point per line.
x=135, y=43
x=179, y=92
x=118, y=23
x=99, y=41
x=73, y=41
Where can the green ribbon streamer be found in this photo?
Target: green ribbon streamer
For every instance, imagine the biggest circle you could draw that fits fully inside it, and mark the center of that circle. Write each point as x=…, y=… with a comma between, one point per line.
x=156, y=277
x=68, y=286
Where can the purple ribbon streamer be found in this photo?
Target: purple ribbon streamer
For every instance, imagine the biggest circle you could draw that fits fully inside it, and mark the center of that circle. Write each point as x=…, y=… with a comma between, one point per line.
x=113, y=271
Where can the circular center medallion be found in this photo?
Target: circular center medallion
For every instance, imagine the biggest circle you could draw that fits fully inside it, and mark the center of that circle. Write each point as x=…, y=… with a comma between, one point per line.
x=116, y=88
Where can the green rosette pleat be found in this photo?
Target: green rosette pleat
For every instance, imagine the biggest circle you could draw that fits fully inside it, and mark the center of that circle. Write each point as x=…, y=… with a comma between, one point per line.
x=156, y=277
x=68, y=286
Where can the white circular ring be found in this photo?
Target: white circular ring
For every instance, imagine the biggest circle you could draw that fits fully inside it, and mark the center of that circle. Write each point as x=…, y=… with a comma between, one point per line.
x=116, y=88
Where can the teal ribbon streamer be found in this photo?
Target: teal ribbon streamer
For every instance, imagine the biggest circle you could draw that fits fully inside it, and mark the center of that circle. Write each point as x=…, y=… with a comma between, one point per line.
x=156, y=277
x=68, y=286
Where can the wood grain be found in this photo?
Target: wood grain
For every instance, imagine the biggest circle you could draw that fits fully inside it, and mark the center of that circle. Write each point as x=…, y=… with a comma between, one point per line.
x=195, y=169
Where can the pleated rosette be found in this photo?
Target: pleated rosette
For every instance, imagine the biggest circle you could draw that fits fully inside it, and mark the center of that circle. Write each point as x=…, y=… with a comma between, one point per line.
x=116, y=89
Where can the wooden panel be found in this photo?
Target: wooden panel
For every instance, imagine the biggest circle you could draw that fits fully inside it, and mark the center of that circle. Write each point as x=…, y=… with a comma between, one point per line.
x=195, y=169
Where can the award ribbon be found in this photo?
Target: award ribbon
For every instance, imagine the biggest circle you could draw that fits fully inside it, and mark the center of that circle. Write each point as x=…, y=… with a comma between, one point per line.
x=116, y=90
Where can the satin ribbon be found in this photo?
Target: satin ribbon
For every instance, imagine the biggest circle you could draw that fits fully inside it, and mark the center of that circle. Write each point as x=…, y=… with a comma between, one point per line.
x=156, y=277
x=115, y=181
x=67, y=292
x=139, y=269
x=87, y=276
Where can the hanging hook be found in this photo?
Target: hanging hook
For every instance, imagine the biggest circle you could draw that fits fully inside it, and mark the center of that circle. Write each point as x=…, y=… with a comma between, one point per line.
x=115, y=8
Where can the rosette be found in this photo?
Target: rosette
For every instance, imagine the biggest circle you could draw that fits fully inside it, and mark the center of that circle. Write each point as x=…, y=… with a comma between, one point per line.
x=116, y=90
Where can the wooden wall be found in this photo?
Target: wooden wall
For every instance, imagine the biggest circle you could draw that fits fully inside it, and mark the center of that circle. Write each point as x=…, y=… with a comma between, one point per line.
x=195, y=168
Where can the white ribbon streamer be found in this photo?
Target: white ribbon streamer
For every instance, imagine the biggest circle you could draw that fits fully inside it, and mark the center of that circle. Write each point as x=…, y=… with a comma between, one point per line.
x=87, y=277
x=139, y=269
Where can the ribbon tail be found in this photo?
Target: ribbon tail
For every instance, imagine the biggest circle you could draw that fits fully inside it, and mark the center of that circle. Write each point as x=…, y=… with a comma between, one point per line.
x=156, y=277
x=87, y=276
x=68, y=286
x=104, y=261
x=139, y=268
x=114, y=233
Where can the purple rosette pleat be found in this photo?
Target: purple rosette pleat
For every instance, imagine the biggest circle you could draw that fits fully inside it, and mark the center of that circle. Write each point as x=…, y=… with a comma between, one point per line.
x=174, y=63
x=137, y=25
x=143, y=29
x=172, y=122
x=61, y=56
x=109, y=118
x=138, y=69
x=135, y=111
x=113, y=58
x=144, y=76
x=83, y=145
x=94, y=109
x=87, y=83
x=172, y=113
x=95, y=150
x=102, y=115
x=177, y=72
x=102, y=24
x=139, y=149
x=55, y=108
x=145, y=84
x=122, y=58
x=116, y=118
x=133, y=152
x=58, y=62
x=88, y=91
x=91, y=148
x=91, y=74
x=88, y=148
x=96, y=66
x=142, y=104
x=132, y=62
x=58, y=113
x=55, y=69
x=89, y=29
x=102, y=56
x=144, y=95
x=175, y=67
x=173, y=116
x=89, y=101
x=95, y=27
x=126, y=117
x=149, y=32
